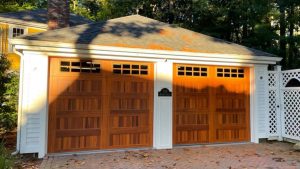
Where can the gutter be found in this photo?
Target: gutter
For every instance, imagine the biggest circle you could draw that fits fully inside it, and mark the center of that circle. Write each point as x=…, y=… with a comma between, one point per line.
x=19, y=121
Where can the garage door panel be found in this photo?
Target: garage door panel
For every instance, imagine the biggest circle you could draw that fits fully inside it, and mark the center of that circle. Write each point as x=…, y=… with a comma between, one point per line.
x=131, y=105
x=135, y=121
x=215, y=105
x=70, y=104
x=76, y=143
x=130, y=102
x=71, y=86
x=191, y=136
x=73, y=123
x=192, y=102
x=231, y=119
x=109, y=108
x=129, y=140
x=231, y=135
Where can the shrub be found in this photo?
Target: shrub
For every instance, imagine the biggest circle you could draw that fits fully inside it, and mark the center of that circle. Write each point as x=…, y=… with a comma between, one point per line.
x=6, y=160
x=8, y=96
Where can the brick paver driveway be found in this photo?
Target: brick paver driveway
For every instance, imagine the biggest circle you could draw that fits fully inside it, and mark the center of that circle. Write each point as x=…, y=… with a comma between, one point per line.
x=265, y=155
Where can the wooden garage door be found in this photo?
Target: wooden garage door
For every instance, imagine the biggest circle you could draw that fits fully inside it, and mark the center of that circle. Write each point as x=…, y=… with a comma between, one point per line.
x=210, y=104
x=95, y=104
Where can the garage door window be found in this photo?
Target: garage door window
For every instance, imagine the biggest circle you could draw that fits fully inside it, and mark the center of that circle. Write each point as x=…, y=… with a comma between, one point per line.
x=79, y=66
x=130, y=69
x=192, y=71
x=230, y=72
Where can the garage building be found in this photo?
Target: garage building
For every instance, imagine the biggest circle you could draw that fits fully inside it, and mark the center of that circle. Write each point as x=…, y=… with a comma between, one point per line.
x=134, y=82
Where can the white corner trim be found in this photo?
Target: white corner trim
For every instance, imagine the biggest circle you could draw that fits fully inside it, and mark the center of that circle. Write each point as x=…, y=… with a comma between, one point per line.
x=253, y=135
x=19, y=120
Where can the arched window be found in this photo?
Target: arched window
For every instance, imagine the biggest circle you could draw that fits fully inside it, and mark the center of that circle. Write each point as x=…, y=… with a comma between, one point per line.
x=293, y=83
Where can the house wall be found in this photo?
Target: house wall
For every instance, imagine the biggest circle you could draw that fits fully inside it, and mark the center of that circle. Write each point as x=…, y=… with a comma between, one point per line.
x=4, y=46
x=34, y=98
x=3, y=38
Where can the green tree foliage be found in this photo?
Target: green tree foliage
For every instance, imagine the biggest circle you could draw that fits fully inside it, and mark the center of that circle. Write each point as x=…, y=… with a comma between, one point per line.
x=6, y=160
x=8, y=96
x=269, y=25
x=18, y=5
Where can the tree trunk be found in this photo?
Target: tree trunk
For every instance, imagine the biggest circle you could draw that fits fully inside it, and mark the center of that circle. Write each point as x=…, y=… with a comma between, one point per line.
x=282, y=22
x=292, y=59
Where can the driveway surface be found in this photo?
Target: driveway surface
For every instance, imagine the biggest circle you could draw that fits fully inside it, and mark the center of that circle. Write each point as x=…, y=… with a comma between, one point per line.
x=269, y=155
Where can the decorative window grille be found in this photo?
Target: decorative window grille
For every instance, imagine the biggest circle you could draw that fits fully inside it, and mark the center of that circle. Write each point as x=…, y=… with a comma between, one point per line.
x=192, y=71
x=230, y=72
x=130, y=69
x=80, y=66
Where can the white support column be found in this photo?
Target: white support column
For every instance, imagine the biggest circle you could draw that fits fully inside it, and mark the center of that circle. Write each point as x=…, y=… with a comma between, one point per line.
x=163, y=106
x=278, y=102
x=259, y=117
x=34, y=104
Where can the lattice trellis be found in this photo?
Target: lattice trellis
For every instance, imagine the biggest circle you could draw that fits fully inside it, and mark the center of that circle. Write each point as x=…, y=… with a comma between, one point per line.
x=288, y=75
x=272, y=113
x=273, y=102
x=291, y=113
x=272, y=79
x=284, y=121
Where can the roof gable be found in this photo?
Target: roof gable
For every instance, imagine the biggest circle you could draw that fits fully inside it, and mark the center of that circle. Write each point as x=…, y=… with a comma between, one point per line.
x=136, y=31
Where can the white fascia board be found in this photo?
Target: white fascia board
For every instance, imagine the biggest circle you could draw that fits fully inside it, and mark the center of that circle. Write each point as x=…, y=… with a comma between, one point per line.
x=150, y=57
x=32, y=45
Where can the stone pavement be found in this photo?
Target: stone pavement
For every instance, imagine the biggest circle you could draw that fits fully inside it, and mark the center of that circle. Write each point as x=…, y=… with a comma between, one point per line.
x=270, y=155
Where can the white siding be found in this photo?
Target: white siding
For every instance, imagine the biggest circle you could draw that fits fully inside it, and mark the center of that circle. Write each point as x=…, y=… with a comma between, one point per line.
x=34, y=104
x=260, y=101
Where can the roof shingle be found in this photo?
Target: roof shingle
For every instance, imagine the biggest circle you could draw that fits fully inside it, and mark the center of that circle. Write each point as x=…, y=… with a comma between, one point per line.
x=136, y=31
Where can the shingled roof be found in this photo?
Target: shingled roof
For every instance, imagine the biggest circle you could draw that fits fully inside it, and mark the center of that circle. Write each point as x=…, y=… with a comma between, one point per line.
x=37, y=17
x=136, y=31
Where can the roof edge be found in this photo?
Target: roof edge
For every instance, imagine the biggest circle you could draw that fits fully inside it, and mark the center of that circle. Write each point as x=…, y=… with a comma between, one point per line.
x=22, y=23
x=35, y=45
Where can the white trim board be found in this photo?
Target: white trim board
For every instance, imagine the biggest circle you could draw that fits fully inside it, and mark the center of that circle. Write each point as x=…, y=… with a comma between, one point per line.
x=88, y=50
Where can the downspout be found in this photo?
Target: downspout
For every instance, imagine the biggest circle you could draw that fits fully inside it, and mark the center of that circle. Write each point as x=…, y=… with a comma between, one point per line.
x=19, y=122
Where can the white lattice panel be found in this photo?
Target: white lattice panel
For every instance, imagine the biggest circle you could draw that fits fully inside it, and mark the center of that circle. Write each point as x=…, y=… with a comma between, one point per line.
x=272, y=79
x=272, y=113
x=273, y=102
x=291, y=113
x=284, y=121
x=288, y=75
